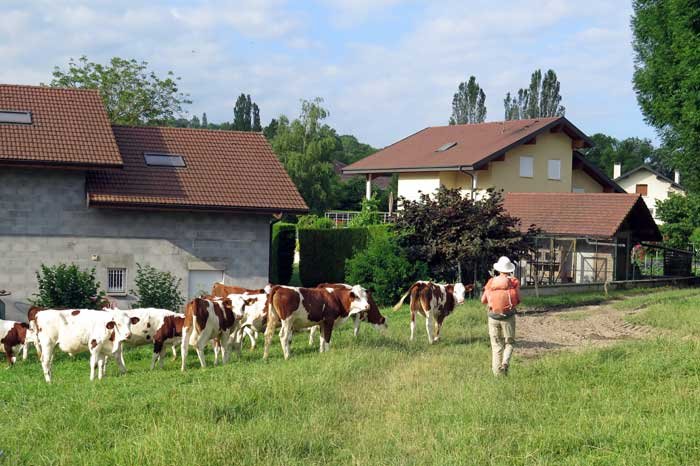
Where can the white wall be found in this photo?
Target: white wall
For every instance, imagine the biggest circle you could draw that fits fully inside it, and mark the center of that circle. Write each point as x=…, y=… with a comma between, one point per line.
x=657, y=190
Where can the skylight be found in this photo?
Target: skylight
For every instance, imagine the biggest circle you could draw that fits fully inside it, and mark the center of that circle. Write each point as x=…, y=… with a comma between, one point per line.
x=445, y=147
x=156, y=159
x=14, y=117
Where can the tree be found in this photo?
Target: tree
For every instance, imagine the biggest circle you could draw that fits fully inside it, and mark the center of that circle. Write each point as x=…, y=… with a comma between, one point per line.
x=541, y=100
x=247, y=114
x=354, y=150
x=681, y=217
x=450, y=232
x=239, y=114
x=205, y=122
x=667, y=52
x=256, y=118
x=67, y=286
x=468, y=103
x=194, y=122
x=157, y=288
x=306, y=148
x=270, y=131
x=132, y=94
x=630, y=152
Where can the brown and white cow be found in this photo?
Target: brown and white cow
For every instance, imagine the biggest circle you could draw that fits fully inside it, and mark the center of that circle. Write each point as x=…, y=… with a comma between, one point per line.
x=251, y=314
x=207, y=319
x=219, y=290
x=169, y=333
x=373, y=316
x=13, y=335
x=434, y=302
x=298, y=308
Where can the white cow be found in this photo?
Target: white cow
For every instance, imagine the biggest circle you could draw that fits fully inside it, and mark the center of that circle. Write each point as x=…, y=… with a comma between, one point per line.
x=74, y=331
x=251, y=315
x=206, y=320
x=13, y=336
x=151, y=320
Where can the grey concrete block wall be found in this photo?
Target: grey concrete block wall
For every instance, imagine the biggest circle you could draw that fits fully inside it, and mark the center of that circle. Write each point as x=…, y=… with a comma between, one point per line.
x=44, y=219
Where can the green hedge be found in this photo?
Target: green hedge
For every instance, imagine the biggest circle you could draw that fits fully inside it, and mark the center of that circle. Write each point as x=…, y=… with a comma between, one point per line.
x=284, y=237
x=322, y=253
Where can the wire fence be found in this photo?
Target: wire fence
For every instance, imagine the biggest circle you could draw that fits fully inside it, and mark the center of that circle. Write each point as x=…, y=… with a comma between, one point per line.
x=341, y=218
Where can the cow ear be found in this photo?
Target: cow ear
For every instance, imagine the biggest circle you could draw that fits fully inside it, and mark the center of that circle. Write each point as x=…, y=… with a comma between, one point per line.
x=134, y=320
x=110, y=324
x=24, y=324
x=353, y=296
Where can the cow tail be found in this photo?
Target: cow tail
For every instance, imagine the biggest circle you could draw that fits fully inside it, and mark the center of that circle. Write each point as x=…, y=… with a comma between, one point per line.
x=403, y=298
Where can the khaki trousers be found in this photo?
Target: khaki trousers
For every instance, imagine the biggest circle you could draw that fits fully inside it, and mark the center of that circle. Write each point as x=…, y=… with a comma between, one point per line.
x=502, y=334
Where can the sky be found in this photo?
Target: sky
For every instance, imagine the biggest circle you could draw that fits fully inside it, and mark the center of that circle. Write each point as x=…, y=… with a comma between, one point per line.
x=385, y=68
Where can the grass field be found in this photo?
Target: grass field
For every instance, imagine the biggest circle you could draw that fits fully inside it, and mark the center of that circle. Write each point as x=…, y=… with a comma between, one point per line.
x=373, y=400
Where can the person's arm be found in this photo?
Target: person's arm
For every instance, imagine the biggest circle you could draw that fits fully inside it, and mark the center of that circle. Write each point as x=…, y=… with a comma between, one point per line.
x=484, y=294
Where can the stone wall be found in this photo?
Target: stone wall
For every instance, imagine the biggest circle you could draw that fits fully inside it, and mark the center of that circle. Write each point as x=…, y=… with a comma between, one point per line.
x=44, y=219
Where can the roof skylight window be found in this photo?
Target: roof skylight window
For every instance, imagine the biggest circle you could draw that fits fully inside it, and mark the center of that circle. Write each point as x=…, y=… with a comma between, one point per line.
x=446, y=147
x=157, y=159
x=14, y=117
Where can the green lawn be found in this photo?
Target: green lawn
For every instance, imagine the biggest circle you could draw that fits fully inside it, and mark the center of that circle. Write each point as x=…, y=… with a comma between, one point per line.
x=374, y=400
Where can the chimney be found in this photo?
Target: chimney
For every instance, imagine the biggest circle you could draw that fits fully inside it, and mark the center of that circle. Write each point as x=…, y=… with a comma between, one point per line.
x=677, y=176
x=617, y=170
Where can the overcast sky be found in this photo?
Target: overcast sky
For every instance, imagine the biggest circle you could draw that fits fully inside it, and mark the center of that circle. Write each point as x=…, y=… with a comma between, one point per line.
x=386, y=68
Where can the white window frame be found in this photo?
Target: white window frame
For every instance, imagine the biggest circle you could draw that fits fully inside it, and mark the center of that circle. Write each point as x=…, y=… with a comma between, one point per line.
x=524, y=168
x=119, y=274
x=554, y=169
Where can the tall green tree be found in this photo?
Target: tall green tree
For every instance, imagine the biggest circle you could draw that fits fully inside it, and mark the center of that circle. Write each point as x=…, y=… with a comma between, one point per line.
x=205, y=122
x=541, y=99
x=666, y=79
x=256, y=118
x=270, y=131
x=468, y=103
x=132, y=94
x=239, y=114
x=630, y=152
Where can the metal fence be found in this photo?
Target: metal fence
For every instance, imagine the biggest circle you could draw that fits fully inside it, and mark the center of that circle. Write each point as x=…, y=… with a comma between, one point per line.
x=341, y=218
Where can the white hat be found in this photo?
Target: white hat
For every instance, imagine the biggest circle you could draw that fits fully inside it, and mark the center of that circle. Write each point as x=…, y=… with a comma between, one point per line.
x=504, y=265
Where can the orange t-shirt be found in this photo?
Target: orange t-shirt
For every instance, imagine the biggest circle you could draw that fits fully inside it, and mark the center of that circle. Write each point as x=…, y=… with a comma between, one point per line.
x=502, y=294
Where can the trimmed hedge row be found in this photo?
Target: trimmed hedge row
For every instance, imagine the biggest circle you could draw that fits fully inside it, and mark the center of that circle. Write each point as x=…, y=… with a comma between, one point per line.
x=284, y=238
x=322, y=252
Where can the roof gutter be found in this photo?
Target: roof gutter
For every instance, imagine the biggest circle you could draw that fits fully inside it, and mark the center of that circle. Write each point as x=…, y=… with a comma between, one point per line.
x=470, y=173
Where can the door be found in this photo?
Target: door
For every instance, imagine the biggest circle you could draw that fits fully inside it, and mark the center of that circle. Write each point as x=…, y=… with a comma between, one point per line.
x=201, y=281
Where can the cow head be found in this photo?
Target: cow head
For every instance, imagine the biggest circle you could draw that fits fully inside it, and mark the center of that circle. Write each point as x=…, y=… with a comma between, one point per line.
x=375, y=317
x=358, y=300
x=459, y=291
x=120, y=325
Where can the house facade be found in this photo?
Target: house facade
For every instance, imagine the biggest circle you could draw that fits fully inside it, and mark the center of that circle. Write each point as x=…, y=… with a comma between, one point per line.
x=652, y=185
x=73, y=189
x=515, y=156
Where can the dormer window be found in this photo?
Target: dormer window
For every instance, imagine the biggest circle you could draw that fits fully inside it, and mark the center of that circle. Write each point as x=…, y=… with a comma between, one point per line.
x=158, y=159
x=13, y=117
x=446, y=147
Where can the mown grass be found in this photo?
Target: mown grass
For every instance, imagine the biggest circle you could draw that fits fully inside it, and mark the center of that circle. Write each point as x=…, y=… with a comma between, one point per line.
x=677, y=310
x=377, y=399
x=583, y=298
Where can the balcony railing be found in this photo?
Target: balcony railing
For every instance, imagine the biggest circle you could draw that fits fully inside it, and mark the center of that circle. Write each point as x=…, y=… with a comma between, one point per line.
x=341, y=218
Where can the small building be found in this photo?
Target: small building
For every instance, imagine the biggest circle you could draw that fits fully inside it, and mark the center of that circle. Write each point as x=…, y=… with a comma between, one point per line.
x=539, y=155
x=649, y=183
x=586, y=238
x=74, y=189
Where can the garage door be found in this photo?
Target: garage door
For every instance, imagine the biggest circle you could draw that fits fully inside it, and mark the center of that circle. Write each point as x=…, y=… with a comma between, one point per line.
x=201, y=281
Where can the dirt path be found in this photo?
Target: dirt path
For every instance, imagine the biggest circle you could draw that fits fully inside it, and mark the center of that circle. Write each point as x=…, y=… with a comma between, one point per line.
x=576, y=329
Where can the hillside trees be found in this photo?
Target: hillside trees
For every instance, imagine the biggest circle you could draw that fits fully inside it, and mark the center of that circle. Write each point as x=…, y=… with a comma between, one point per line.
x=468, y=103
x=540, y=100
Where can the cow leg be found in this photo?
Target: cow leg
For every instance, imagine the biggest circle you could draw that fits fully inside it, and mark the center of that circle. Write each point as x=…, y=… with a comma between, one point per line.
x=156, y=357
x=356, y=322
x=25, y=350
x=47, y=360
x=252, y=336
x=312, y=333
x=119, y=357
x=327, y=332
x=200, y=351
x=269, y=334
x=286, y=338
x=216, y=345
x=429, y=326
x=101, y=366
x=93, y=364
x=184, y=346
x=225, y=346
x=413, y=324
x=174, y=353
x=438, y=327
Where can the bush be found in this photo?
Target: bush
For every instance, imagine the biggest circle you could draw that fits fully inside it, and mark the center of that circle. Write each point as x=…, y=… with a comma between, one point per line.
x=315, y=222
x=284, y=237
x=369, y=214
x=155, y=288
x=384, y=268
x=322, y=253
x=67, y=286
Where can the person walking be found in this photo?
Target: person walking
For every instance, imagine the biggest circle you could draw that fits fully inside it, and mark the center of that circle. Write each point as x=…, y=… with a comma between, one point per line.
x=502, y=295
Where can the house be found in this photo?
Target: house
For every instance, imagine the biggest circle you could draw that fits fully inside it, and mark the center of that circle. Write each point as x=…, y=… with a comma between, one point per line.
x=539, y=155
x=588, y=237
x=652, y=185
x=74, y=189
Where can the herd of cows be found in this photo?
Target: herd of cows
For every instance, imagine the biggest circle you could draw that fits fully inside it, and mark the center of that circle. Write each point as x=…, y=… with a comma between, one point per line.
x=223, y=319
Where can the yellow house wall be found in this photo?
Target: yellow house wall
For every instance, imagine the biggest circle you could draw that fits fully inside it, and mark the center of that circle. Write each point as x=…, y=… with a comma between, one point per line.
x=411, y=184
x=580, y=179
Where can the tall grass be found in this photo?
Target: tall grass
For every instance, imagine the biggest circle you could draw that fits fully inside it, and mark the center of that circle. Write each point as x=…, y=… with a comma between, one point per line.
x=377, y=399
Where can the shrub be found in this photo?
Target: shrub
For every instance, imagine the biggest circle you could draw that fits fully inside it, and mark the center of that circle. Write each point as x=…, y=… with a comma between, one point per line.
x=369, y=214
x=314, y=221
x=156, y=288
x=322, y=253
x=284, y=236
x=384, y=268
x=67, y=286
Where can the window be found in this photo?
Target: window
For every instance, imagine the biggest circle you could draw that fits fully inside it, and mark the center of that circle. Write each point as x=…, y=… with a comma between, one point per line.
x=13, y=117
x=526, y=166
x=579, y=190
x=155, y=159
x=445, y=147
x=554, y=169
x=116, y=281
x=641, y=189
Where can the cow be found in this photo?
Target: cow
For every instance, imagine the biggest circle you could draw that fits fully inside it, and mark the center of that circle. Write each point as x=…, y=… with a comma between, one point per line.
x=13, y=335
x=31, y=318
x=434, y=302
x=298, y=308
x=373, y=316
x=207, y=319
x=170, y=332
x=219, y=290
x=74, y=331
x=250, y=310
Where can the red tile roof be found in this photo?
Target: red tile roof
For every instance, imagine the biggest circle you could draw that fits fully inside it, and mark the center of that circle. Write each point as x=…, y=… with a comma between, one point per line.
x=225, y=170
x=599, y=215
x=69, y=127
x=476, y=143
